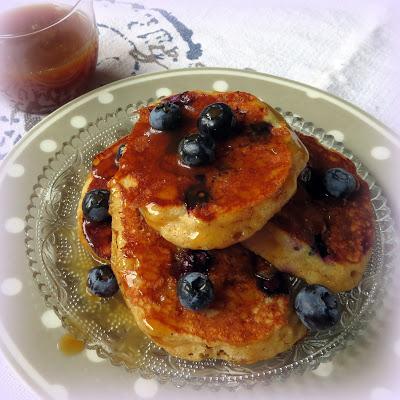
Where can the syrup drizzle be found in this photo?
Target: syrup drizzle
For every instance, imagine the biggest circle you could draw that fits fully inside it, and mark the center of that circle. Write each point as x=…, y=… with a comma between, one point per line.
x=69, y=345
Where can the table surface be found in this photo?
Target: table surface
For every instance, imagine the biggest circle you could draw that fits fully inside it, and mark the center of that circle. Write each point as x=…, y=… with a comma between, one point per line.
x=347, y=50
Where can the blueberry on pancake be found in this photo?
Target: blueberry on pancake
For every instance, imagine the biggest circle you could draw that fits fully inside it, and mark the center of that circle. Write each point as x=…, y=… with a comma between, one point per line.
x=325, y=233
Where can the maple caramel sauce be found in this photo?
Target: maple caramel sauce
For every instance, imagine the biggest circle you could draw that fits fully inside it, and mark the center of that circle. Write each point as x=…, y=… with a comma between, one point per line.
x=99, y=234
x=69, y=345
x=111, y=314
x=164, y=180
x=44, y=66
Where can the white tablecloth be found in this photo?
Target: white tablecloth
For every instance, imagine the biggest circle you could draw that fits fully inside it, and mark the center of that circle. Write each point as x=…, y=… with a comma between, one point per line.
x=347, y=50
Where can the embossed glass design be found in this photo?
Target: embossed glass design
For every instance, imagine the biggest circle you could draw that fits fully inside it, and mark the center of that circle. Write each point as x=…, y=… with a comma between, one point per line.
x=59, y=265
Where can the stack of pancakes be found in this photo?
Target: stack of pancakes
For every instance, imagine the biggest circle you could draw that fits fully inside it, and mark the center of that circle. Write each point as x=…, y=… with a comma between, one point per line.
x=249, y=207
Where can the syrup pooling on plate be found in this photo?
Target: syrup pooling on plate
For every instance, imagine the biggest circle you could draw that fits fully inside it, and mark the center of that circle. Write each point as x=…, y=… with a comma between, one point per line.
x=102, y=317
x=69, y=345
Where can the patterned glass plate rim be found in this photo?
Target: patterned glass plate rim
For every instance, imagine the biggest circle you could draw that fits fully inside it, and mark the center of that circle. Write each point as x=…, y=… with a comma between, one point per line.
x=360, y=303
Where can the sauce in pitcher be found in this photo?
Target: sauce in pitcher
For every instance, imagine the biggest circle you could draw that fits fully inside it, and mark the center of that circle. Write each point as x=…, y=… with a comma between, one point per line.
x=47, y=55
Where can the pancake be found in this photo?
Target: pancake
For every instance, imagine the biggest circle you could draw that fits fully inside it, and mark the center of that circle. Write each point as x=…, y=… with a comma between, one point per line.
x=253, y=176
x=322, y=240
x=242, y=324
x=96, y=236
x=264, y=326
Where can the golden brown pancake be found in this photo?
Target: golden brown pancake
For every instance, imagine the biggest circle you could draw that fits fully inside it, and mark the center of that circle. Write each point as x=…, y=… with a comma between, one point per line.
x=242, y=324
x=318, y=238
x=264, y=326
x=253, y=176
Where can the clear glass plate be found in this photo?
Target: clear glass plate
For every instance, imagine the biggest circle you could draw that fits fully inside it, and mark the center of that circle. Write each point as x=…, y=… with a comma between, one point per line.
x=59, y=265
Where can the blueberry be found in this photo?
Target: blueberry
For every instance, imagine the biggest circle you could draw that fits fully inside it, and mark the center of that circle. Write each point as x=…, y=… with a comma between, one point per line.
x=165, y=116
x=217, y=120
x=196, y=150
x=339, y=183
x=195, y=291
x=317, y=307
x=101, y=281
x=95, y=205
x=120, y=152
x=271, y=284
x=191, y=261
